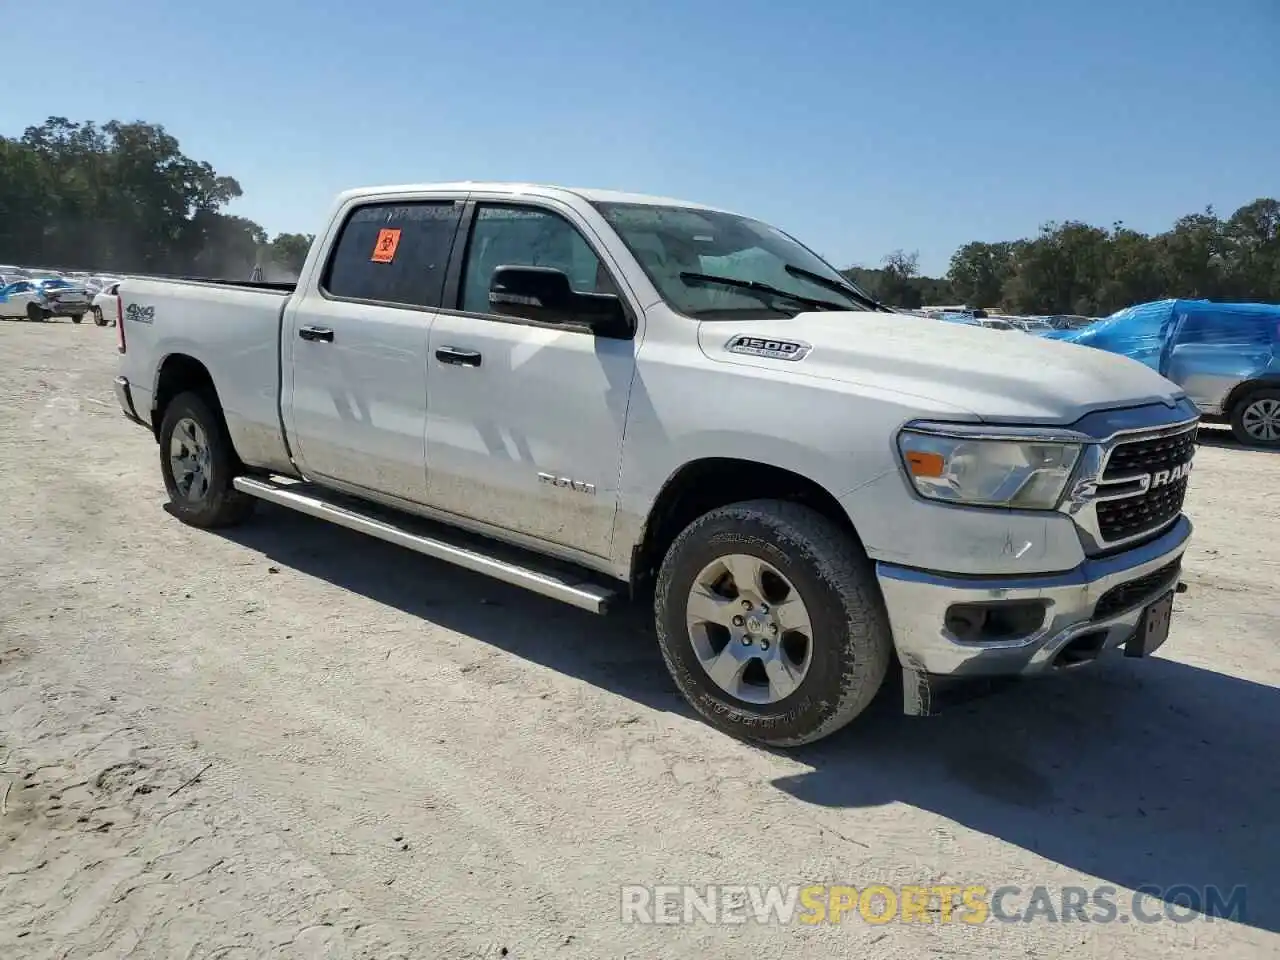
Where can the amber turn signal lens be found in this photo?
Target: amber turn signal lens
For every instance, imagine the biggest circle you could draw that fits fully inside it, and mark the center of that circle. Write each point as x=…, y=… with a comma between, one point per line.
x=923, y=464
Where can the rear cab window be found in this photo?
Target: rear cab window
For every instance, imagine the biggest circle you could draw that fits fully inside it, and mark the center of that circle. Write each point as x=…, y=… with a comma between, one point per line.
x=393, y=253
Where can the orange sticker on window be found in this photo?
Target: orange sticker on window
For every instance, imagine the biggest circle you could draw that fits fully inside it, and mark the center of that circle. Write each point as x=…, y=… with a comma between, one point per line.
x=384, y=251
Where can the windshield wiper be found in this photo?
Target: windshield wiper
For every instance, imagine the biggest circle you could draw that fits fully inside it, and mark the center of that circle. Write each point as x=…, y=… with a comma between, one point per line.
x=847, y=289
x=761, y=288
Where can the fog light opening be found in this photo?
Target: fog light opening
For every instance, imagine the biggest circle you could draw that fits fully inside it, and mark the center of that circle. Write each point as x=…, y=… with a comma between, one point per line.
x=995, y=622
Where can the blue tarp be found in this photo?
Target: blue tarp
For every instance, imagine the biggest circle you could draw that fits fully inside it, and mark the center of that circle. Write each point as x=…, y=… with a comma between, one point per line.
x=1141, y=332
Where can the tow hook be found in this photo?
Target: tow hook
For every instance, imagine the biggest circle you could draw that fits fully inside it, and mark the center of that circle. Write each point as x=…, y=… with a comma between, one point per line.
x=1180, y=588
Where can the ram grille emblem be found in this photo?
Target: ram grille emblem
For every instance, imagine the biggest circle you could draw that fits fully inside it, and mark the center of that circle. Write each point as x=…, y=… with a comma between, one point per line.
x=1162, y=477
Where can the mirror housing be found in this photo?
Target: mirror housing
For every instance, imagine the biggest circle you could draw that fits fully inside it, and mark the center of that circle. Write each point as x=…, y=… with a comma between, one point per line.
x=544, y=295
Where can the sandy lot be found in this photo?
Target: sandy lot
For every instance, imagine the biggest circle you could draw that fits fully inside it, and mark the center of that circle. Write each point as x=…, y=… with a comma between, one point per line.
x=292, y=741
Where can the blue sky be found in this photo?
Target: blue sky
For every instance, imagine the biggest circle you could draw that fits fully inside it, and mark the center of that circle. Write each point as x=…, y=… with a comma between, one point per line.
x=860, y=127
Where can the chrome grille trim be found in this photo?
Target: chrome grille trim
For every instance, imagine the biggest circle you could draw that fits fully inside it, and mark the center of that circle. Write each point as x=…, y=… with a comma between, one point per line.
x=1088, y=488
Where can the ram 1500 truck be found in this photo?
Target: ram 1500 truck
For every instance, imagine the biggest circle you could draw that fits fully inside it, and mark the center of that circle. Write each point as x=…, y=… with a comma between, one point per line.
x=594, y=395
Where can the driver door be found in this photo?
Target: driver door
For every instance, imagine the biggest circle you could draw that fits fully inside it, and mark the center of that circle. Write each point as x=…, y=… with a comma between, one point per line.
x=525, y=419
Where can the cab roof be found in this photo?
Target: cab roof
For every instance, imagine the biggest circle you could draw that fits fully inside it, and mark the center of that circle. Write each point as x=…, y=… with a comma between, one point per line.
x=517, y=189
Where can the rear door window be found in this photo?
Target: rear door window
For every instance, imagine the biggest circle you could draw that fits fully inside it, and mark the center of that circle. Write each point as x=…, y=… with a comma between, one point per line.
x=394, y=253
x=1237, y=329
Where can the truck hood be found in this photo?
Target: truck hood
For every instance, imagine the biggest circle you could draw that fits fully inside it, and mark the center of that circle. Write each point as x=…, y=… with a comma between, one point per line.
x=996, y=376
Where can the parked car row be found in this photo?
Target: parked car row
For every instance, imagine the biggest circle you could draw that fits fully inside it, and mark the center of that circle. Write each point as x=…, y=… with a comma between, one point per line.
x=37, y=295
x=977, y=317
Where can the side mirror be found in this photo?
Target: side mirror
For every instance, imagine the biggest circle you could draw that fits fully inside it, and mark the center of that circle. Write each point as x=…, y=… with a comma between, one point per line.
x=544, y=295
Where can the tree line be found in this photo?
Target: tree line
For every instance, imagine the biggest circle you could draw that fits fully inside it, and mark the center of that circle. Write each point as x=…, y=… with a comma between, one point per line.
x=1077, y=268
x=123, y=197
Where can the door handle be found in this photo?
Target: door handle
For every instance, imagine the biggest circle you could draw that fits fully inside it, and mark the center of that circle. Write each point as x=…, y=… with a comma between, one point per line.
x=460, y=358
x=316, y=333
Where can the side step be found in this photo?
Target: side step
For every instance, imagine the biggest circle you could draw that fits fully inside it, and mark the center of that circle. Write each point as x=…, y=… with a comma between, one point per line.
x=559, y=583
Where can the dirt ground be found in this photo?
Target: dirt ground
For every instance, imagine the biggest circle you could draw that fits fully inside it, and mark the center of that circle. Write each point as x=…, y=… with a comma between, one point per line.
x=293, y=741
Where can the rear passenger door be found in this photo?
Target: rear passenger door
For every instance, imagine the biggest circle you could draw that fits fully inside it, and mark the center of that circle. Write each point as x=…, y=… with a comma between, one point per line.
x=355, y=347
x=1214, y=351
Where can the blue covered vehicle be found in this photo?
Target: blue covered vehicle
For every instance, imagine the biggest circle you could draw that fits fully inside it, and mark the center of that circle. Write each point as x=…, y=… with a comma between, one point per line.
x=1225, y=355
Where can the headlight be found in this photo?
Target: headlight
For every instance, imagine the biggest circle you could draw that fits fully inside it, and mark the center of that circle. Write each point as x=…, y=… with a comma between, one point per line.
x=1019, y=474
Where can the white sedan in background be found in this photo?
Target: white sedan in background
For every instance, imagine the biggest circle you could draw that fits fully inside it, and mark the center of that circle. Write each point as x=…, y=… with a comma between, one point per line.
x=23, y=299
x=106, y=308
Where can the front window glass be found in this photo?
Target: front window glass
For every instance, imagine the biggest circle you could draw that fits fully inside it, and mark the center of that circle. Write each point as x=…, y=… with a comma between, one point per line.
x=516, y=236
x=673, y=243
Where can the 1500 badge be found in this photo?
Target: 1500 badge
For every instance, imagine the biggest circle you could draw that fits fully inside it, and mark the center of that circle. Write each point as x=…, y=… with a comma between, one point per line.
x=764, y=347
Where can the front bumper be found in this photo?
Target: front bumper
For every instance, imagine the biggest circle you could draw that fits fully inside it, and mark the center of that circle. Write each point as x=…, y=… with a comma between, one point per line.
x=124, y=396
x=918, y=603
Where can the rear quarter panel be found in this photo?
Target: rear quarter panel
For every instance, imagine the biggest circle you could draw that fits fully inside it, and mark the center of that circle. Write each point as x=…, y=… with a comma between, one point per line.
x=233, y=332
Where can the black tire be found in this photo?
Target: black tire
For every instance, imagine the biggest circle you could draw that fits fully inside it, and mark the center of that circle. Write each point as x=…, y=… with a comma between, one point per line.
x=220, y=504
x=852, y=640
x=98, y=319
x=77, y=317
x=1242, y=407
x=34, y=313
x=46, y=315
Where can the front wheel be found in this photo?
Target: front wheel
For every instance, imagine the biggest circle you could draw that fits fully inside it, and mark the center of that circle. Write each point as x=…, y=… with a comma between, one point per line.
x=34, y=313
x=98, y=319
x=198, y=464
x=1255, y=421
x=771, y=622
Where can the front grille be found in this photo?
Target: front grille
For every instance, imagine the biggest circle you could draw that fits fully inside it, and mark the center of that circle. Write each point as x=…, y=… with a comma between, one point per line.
x=1136, y=592
x=1134, y=516
x=1147, y=456
x=1155, y=458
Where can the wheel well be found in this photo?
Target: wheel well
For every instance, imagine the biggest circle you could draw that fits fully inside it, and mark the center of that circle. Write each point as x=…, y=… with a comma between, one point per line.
x=703, y=485
x=1242, y=390
x=180, y=373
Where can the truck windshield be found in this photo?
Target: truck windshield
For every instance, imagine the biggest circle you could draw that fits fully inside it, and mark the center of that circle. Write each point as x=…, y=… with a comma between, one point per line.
x=678, y=245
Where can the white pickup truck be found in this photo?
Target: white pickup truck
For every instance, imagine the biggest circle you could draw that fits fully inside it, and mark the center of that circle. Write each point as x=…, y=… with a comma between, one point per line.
x=592, y=394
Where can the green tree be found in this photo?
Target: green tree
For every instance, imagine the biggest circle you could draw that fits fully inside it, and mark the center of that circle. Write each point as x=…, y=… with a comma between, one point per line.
x=288, y=251
x=1252, y=237
x=120, y=196
x=979, y=271
x=124, y=197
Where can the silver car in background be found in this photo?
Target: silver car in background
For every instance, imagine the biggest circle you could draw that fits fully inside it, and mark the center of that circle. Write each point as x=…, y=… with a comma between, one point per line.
x=1225, y=355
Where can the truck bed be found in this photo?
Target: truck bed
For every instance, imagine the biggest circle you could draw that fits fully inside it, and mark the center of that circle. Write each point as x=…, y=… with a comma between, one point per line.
x=266, y=286
x=233, y=329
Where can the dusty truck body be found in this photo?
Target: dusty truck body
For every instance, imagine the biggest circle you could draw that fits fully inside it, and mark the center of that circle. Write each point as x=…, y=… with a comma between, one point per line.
x=592, y=395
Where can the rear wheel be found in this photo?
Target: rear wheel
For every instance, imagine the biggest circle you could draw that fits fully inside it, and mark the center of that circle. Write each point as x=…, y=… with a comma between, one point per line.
x=1255, y=421
x=98, y=319
x=771, y=622
x=77, y=317
x=199, y=464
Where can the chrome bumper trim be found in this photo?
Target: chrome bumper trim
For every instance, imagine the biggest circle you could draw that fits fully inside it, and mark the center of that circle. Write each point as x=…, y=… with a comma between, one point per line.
x=918, y=600
x=124, y=396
